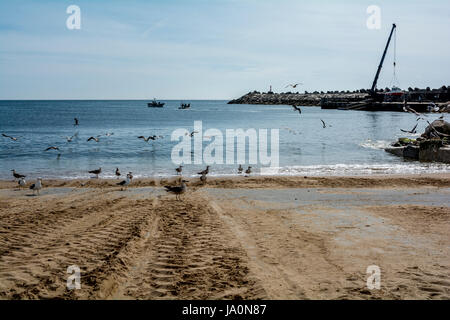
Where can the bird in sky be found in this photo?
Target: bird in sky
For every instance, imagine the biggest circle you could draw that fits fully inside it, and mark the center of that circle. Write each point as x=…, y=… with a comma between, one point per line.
x=96, y=139
x=294, y=85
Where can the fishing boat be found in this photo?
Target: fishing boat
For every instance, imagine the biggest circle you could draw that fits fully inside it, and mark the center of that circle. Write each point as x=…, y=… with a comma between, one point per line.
x=155, y=104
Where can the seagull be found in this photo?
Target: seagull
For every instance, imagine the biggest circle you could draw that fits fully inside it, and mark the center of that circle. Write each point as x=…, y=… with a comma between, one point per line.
x=179, y=190
x=297, y=109
x=294, y=85
x=109, y=134
x=411, y=110
x=248, y=171
x=149, y=138
x=52, y=148
x=96, y=172
x=22, y=183
x=12, y=138
x=76, y=121
x=413, y=130
x=37, y=186
x=179, y=169
x=240, y=169
x=130, y=174
x=191, y=134
x=204, y=172
x=69, y=139
x=125, y=182
x=95, y=139
x=17, y=175
x=117, y=173
x=203, y=178
x=323, y=123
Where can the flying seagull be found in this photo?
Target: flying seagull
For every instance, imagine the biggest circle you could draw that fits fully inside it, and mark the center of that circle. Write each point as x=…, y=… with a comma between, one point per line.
x=52, y=148
x=109, y=134
x=323, y=123
x=204, y=172
x=70, y=139
x=191, y=134
x=413, y=130
x=76, y=121
x=149, y=138
x=297, y=109
x=178, y=190
x=12, y=138
x=294, y=85
x=37, y=186
x=96, y=172
x=411, y=110
x=17, y=175
x=96, y=139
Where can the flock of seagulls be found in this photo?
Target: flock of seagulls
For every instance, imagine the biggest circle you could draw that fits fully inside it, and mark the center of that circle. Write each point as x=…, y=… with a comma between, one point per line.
x=421, y=116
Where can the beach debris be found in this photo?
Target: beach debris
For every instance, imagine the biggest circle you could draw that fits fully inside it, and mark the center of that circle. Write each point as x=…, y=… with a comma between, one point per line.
x=177, y=190
x=36, y=187
x=96, y=172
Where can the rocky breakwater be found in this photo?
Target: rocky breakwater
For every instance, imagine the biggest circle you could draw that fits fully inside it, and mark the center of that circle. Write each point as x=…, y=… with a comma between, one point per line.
x=299, y=99
x=432, y=146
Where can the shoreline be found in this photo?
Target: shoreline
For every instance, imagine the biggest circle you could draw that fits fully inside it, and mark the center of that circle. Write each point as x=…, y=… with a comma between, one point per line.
x=263, y=181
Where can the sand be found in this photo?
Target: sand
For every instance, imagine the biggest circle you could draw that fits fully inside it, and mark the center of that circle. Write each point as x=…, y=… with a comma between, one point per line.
x=232, y=238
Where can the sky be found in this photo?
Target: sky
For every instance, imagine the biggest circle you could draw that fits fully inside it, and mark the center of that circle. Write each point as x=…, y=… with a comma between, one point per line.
x=215, y=49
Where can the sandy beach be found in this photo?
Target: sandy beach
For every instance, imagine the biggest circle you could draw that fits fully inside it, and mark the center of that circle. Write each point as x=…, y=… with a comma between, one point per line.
x=232, y=238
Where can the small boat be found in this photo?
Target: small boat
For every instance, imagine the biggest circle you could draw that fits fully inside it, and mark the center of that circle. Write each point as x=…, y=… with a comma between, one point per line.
x=396, y=91
x=185, y=106
x=155, y=104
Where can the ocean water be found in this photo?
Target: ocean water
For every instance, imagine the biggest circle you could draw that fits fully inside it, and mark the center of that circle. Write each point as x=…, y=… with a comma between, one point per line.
x=351, y=144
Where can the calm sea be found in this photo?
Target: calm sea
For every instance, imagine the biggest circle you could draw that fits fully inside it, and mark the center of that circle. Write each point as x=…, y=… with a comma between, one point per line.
x=352, y=143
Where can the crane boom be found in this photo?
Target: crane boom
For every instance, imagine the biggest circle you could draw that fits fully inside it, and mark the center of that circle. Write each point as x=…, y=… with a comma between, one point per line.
x=374, y=85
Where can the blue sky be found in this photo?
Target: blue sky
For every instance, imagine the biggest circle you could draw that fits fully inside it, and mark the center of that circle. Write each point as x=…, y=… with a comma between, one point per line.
x=214, y=49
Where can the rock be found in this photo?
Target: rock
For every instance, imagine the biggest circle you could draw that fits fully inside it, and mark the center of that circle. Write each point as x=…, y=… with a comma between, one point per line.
x=398, y=151
x=411, y=152
x=405, y=141
x=443, y=155
x=428, y=149
x=441, y=126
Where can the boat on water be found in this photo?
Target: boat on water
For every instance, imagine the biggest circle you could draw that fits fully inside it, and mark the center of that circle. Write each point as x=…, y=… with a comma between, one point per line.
x=155, y=104
x=185, y=106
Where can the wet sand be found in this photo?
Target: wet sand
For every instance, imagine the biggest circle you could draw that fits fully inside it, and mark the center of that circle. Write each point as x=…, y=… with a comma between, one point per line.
x=233, y=238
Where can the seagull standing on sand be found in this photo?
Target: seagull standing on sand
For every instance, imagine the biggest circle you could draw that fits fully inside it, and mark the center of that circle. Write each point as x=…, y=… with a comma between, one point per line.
x=203, y=178
x=248, y=171
x=179, y=170
x=240, y=169
x=37, y=186
x=22, y=183
x=96, y=172
x=125, y=182
x=204, y=172
x=17, y=175
x=179, y=190
x=117, y=173
x=12, y=138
